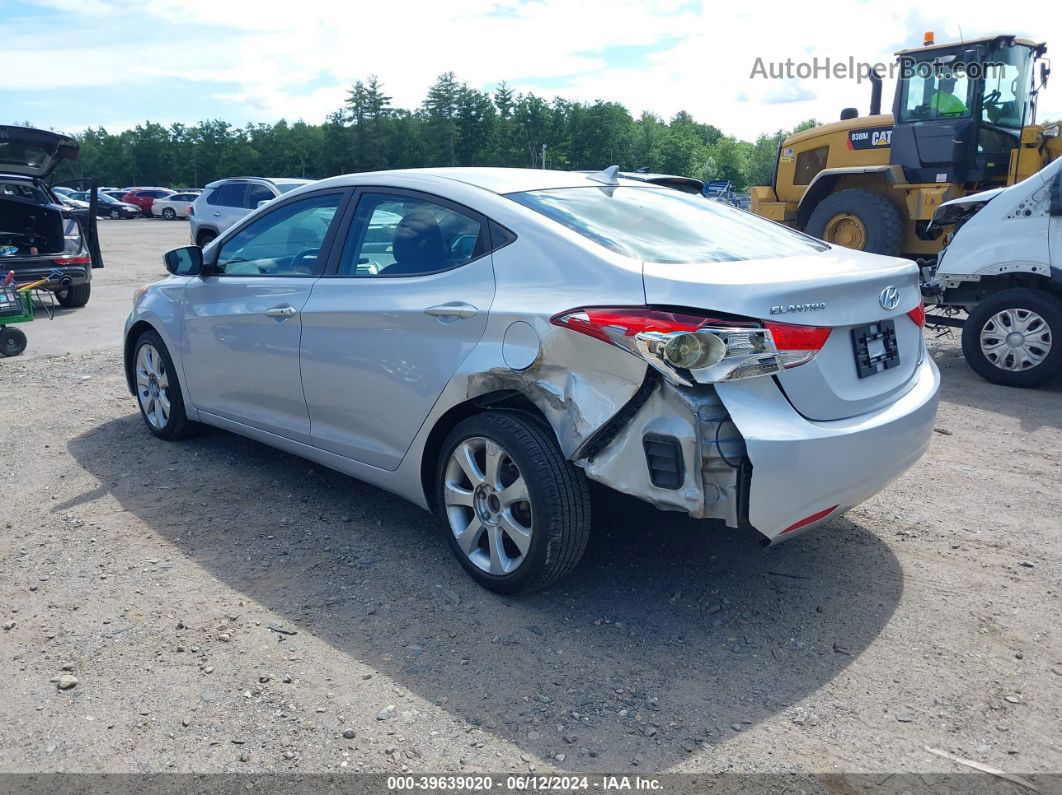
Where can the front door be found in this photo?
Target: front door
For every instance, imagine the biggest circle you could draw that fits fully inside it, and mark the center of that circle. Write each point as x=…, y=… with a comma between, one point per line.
x=242, y=321
x=384, y=334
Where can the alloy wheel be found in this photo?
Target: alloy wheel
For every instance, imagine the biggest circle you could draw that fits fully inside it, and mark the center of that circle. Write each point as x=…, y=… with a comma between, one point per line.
x=488, y=506
x=1016, y=339
x=152, y=386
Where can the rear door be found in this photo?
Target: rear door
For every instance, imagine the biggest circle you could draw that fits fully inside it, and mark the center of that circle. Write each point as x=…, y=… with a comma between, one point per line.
x=226, y=205
x=383, y=333
x=242, y=321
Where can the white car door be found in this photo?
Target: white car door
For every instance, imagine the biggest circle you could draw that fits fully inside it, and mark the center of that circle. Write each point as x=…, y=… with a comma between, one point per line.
x=242, y=323
x=383, y=335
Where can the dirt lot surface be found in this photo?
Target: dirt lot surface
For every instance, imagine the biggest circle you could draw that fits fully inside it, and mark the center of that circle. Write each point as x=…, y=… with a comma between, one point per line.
x=227, y=607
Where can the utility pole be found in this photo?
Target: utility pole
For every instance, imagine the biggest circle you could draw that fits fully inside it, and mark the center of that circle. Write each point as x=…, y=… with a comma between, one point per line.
x=543, y=156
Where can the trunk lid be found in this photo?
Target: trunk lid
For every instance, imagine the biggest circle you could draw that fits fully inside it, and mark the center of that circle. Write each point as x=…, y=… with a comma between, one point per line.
x=34, y=153
x=839, y=288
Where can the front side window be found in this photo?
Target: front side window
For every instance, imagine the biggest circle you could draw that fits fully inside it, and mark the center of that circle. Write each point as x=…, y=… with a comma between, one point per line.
x=286, y=242
x=664, y=225
x=284, y=187
x=395, y=235
x=256, y=194
x=935, y=91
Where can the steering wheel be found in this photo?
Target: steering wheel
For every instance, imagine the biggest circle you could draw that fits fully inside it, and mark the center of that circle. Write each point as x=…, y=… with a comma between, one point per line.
x=992, y=97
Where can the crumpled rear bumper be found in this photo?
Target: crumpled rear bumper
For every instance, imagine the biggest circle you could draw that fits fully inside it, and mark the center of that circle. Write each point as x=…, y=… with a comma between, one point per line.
x=750, y=459
x=801, y=468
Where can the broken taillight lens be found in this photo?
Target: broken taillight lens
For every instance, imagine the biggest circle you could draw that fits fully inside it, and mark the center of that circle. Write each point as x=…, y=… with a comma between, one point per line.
x=690, y=348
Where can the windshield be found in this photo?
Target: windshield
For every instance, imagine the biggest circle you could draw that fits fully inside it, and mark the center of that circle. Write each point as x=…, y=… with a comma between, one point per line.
x=664, y=225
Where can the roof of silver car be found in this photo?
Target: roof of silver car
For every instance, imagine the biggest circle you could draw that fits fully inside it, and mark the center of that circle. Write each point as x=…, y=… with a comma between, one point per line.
x=500, y=180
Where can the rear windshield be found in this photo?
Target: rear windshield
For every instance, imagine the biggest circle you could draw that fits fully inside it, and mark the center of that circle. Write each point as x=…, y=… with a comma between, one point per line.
x=664, y=225
x=18, y=153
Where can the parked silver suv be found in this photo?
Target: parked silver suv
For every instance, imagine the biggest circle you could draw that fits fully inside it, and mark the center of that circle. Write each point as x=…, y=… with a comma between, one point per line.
x=226, y=201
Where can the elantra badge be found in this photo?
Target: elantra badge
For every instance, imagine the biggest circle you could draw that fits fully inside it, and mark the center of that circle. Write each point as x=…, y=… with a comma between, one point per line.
x=782, y=309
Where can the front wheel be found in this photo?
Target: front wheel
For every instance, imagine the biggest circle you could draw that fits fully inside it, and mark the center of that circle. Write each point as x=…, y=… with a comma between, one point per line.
x=158, y=392
x=169, y=214
x=515, y=512
x=1010, y=338
x=76, y=295
x=115, y=214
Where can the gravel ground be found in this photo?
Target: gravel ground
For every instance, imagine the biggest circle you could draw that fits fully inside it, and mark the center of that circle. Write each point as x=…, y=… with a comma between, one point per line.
x=223, y=606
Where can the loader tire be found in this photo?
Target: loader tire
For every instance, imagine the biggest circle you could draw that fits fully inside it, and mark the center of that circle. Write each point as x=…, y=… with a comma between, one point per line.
x=859, y=219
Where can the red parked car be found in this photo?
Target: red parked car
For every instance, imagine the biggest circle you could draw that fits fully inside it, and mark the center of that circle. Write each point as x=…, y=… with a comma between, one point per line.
x=145, y=197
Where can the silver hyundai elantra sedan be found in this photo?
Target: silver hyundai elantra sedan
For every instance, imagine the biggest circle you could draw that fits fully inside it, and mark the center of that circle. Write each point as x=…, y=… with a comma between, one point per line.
x=484, y=341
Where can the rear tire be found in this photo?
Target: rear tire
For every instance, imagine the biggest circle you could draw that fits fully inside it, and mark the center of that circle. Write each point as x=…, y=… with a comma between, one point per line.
x=158, y=392
x=12, y=341
x=521, y=520
x=880, y=221
x=991, y=343
x=74, y=296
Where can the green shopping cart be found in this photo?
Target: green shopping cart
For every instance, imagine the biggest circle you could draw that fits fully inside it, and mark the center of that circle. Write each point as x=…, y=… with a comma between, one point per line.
x=16, y=306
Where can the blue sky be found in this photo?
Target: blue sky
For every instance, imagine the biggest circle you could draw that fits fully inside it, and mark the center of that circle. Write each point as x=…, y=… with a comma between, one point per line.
x=115, y=63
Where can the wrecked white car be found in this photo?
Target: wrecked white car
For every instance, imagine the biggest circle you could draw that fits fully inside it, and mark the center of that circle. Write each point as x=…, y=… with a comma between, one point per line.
x=483, y=341
x=1003, y=267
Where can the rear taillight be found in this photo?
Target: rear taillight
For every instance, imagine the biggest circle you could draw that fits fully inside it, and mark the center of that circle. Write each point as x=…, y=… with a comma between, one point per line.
x=918, y=315
x=72, y=261
x=797, y=345
x=693, y=348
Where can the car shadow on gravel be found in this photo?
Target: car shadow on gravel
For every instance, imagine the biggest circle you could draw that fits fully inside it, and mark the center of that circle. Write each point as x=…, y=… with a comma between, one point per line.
x=671, y=636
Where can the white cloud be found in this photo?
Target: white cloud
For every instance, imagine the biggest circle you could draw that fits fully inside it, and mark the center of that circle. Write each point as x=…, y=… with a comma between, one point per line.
x=298, y=61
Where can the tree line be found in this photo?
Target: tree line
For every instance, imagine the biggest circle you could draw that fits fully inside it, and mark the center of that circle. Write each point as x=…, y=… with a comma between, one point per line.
x=455, y=125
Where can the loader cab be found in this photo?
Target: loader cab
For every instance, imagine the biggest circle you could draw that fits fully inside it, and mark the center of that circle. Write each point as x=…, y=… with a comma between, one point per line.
x=960, y=108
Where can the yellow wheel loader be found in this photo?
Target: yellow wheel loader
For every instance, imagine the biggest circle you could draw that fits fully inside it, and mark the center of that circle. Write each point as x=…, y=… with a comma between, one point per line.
x=963, y=121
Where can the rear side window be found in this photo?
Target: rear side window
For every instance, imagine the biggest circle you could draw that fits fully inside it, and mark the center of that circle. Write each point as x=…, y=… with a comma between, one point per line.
x=228, y=195
x=664, y=225
x=810, y=163
x=396, y=235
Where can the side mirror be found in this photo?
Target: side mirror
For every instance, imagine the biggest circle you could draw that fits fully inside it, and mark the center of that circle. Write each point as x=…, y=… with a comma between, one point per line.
x=185, y=261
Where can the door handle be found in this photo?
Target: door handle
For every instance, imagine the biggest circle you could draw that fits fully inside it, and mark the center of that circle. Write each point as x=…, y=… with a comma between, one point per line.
x=454, y=309
x=281, y=311
x=217, y=214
